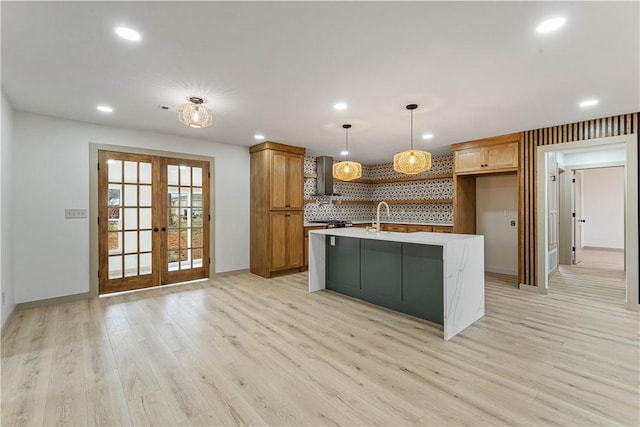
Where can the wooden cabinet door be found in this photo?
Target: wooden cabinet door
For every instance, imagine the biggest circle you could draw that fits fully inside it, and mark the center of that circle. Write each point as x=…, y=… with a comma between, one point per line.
x=443, y=229
x=295, y=239
x=295, y=182
x=503, y=156
x=468, y=160
x=278, y=240
x=279, y=180
x=416, y=228
x=401, y=228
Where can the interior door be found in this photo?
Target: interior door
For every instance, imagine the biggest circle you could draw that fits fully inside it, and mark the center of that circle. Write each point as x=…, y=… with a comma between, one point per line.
x=578, y=220
x=153, y=225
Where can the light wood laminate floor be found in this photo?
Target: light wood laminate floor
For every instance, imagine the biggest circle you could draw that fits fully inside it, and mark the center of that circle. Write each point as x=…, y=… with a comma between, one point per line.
x=242, y=350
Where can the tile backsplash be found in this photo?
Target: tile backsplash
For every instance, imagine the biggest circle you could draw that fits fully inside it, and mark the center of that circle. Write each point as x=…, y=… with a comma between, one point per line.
x=331, y=208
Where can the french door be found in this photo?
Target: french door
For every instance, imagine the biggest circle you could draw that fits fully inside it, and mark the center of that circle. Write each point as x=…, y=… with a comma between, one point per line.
x=153, y=225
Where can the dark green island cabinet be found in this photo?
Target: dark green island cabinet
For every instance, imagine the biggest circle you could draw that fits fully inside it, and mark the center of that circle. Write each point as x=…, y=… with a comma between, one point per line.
x=438, y=277
x=405, y=277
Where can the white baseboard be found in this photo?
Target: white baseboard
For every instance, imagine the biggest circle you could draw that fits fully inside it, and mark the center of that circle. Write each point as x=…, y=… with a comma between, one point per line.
x=598, y=248
x=501, y=270
x=229, y=273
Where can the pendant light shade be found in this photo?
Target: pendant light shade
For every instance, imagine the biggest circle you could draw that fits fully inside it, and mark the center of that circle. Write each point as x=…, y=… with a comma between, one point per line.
x=347, y=170
x=195, y=114
x=412, y=161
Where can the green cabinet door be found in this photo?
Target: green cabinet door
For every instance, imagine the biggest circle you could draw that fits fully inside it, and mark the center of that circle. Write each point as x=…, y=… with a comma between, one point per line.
x=422, y=281
x=343, y=265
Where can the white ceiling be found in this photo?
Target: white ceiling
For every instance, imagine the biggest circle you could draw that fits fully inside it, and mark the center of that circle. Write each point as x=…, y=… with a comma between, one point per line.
x=475, y=69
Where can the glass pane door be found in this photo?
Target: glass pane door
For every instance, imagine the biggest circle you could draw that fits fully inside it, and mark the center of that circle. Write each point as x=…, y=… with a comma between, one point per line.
x=187, y=217
x=126, y=217
x=153, y=220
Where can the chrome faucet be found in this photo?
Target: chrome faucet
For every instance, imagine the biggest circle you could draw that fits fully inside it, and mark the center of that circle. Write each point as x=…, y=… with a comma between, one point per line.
x=377, y=225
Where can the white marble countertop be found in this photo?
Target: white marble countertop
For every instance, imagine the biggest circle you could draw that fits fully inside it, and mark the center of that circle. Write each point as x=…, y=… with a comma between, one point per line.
x=320, y=224
x=421, y=237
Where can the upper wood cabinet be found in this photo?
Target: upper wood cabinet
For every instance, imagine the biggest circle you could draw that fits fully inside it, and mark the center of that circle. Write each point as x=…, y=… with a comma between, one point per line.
x=492, y=156
x=287, y=180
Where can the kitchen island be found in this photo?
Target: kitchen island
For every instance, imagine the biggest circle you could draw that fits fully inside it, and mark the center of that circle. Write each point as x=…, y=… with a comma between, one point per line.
x=437, y=277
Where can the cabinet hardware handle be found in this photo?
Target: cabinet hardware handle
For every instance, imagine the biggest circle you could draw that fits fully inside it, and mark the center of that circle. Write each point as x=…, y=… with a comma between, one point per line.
x=164, y=228
x=155, y=229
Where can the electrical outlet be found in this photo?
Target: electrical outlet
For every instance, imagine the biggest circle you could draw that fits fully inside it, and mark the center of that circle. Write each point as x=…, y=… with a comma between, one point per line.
x=75, y=213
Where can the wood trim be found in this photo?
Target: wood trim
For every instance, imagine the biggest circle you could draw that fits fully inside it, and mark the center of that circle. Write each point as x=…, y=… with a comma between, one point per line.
x=495, y=140
x=270, y=145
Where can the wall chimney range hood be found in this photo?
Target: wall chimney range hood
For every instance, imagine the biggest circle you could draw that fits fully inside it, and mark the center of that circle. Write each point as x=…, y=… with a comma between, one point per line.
x=324, y=182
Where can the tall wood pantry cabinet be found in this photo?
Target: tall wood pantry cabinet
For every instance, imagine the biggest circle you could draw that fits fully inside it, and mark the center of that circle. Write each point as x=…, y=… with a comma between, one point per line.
x=277, y=208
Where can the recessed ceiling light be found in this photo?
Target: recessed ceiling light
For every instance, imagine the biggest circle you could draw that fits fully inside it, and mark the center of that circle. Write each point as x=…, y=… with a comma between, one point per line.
x=588, y=103
x=427, y=136
x=127, y=33
x=550, y=25
x=104, y=109
x=340, y=106
x=344, y=153
x=258, y=136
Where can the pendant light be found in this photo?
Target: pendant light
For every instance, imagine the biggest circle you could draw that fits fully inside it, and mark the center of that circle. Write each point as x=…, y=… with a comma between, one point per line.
x=347, y=170
x=195, y=114
x=412, y=161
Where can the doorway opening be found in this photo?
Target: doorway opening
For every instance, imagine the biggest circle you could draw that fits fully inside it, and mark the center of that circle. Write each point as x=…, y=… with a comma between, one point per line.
x=587, y=221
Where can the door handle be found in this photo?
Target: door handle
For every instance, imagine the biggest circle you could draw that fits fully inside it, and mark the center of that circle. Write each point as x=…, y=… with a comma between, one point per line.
x=164, y=228
x=155, y=229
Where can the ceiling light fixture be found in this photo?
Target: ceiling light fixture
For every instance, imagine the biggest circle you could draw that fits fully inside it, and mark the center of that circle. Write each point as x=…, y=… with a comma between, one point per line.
x=550, y=25
x=347, y=170
x=259, y=137
x=412, y=161
x=127, y=34
x=588, y=103
x=340, y=106
x=195, y=114
x=104, y=109
x=427, y=136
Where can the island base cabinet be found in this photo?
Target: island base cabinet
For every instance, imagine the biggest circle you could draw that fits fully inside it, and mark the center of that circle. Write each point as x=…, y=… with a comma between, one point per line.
x=401, y=276
x=382, y=273
x=343, y=265
x=422, y=286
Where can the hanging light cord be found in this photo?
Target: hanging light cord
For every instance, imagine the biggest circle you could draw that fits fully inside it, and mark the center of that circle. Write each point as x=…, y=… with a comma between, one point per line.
x=411, y=130
x=346, y=156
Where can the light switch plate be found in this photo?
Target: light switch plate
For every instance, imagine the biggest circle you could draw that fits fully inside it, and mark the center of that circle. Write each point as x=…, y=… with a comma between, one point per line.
x=332, y=240
x=75, y=213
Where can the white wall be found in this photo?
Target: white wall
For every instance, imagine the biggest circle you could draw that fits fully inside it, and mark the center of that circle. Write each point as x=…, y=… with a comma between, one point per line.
x=52, y=173
x=6, y=202
x=594, y=157
x=495, y=195
x=603, y=207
